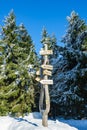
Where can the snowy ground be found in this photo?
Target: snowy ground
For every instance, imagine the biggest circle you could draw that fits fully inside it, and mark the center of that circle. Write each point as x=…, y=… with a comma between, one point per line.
x=33, y=122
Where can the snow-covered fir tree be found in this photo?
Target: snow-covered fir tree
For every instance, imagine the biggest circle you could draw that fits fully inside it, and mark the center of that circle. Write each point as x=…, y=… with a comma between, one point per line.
x=70, y=71
x=19, y=60
x=1, y=58
x=8, y=39
x=52, y=43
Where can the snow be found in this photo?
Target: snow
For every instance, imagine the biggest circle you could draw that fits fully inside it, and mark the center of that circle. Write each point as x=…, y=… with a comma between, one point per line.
x=31, y=122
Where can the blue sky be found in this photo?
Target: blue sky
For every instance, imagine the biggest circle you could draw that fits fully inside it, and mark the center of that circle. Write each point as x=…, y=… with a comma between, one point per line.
x=35, y=14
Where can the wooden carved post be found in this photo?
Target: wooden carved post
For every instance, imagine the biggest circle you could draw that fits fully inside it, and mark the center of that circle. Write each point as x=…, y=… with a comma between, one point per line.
x=45, y=81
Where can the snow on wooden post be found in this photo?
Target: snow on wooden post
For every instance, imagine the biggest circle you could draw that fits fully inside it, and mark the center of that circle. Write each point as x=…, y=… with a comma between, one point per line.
x=45, y=81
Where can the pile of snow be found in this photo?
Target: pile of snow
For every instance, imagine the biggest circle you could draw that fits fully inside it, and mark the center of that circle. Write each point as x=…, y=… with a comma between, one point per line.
x=31, y=122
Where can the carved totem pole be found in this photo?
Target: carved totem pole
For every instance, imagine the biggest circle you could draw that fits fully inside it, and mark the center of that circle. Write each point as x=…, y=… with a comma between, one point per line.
x=45, y=72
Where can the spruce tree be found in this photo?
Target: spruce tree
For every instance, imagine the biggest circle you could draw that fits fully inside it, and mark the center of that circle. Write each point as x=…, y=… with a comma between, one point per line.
x=6, y=83
x=70, y=70
x=27, y=64
x=17, y=85
x=53, y=43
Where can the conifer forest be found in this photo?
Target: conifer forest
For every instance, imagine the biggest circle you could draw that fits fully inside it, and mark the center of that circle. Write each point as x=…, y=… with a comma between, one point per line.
x=19, y=62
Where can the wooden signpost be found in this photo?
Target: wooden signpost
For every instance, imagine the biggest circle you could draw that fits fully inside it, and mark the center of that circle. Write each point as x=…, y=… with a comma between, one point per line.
x=46, y=52
x=37, y=79
x=46, y=82
x=38, y=72
x=45, y=72
x=48, y=67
